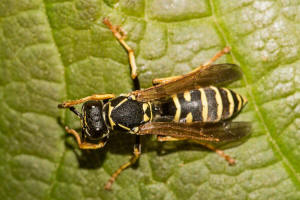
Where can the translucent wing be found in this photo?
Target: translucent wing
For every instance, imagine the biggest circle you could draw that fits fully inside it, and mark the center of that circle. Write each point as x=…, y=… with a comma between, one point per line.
x=213, y=75
x=210, y=132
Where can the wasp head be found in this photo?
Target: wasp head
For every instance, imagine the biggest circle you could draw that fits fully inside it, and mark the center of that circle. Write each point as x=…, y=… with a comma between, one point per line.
x=93, y=124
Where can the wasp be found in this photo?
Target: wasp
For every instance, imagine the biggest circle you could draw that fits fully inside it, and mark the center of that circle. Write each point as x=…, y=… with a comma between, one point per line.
x=184, y=107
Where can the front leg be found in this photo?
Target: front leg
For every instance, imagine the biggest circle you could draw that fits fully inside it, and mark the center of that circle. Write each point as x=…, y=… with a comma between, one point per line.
x=95, y=97
x=84, y=145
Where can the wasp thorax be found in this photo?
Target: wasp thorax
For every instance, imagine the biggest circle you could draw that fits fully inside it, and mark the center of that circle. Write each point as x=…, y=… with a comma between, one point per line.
x=93, y=123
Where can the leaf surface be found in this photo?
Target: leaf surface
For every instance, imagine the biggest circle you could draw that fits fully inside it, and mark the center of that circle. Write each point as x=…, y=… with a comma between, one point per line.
x=55, y=50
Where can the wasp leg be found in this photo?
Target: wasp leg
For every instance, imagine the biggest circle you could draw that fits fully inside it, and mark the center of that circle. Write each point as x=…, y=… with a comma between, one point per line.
x=158, y=81
x=96, y=97
x=84, y=145
x=201, y=67
x=133, y=159
x=221, y=153
x=168, y=138
x=216, y=57
x=120, y=35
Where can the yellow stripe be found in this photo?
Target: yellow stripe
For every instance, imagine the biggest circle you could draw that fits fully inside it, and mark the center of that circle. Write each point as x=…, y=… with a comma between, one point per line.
x=112, y=123
x=145, y=106
x=123, y=101
x=146, y=118
x=204, y=105
x=245, y=100
x=219, y=103
x=178, y=107
x=124, y=127
x=239, y=102
x=187, y=95
x=230, y=100
x=134, y=130
x=189, y=118
x=132, y=97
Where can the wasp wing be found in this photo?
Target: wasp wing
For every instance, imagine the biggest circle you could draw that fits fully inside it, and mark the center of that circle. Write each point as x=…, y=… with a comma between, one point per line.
x=212, y=75
x=206, y=132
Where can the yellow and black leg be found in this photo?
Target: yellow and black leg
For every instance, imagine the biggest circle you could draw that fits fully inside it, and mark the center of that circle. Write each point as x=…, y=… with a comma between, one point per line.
x=201, y=67
x=221, y=153
x=120, y=35
x=84, y=145
x=95, y=97
x=133, y=159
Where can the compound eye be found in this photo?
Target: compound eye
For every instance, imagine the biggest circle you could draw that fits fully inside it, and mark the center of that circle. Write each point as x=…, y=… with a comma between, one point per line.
x=95, y=126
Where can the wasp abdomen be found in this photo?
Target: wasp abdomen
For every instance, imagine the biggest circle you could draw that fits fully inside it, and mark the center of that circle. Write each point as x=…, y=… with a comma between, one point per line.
x=209, y=104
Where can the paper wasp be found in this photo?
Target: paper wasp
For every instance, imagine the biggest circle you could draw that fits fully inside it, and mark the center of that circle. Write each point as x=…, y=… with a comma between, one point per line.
x=174, y=108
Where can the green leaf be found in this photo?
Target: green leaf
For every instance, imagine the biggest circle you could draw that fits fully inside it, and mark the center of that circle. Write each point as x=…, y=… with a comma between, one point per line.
x=55, y=50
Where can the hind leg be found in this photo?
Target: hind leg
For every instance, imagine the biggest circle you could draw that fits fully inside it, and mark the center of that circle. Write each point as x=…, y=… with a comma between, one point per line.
x=205, y=65
x=133, y=159
x=221, y=153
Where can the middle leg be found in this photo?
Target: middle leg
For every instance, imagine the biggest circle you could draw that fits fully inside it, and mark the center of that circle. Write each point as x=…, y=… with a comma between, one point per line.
x=120, y=35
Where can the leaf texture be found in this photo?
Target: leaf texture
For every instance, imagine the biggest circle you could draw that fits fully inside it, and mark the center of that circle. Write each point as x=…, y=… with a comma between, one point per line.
x=54, y=50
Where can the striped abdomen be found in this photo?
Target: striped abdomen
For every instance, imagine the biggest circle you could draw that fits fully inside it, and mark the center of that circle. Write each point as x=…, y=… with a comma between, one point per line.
x=209, y=104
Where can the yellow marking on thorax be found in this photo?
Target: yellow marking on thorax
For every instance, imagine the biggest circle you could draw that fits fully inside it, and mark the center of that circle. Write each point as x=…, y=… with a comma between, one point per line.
x=132, y=97
x=230, y=100
x=189, y=118
x=145, y=106
x=204, y=105
x=239, y=102
x=123, y=101
x=219, y=103
x=124, y=127
x=178, y=107
x=151, y=115
x=112, y=123
x=146, y=118
x=187, y=95
x=135, y=130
